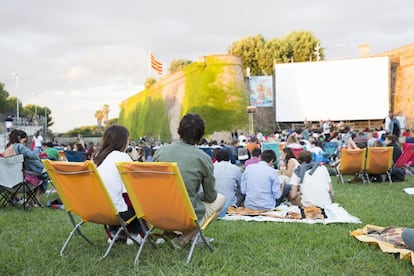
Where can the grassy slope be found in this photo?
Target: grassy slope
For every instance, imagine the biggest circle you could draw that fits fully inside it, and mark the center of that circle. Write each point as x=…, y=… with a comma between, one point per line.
x=30, y=243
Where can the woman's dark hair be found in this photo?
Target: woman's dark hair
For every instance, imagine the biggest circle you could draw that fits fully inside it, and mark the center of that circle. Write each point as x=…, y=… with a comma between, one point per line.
x=289, y=153
x=191, y=128
x=16, y=135
x=114, y=138
x=268, y=155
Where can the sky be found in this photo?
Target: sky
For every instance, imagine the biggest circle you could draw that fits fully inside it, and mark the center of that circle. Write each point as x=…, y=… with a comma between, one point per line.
x=75, y=56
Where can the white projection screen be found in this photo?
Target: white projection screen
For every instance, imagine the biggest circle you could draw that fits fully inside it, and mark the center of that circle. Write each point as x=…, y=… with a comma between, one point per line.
x=351, y=89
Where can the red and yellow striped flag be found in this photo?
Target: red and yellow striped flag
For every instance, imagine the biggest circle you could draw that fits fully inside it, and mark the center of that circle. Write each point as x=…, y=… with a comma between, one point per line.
x=156, y=64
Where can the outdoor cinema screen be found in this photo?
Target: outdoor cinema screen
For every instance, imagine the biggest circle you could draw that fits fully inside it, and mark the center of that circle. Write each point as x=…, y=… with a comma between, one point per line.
x=349, y=89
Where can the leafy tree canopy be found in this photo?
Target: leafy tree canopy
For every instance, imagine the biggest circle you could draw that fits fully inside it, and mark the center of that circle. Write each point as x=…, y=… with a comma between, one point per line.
x=260, y=54
x=178, y=64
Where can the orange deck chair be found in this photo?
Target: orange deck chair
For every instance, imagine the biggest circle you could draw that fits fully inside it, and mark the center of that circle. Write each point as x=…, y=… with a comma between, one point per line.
x=379, y=161
x=83, y=193
x=159, y=196
x=352, y=162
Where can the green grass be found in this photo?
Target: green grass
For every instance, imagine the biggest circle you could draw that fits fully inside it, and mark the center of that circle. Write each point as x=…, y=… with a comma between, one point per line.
x=30, y=243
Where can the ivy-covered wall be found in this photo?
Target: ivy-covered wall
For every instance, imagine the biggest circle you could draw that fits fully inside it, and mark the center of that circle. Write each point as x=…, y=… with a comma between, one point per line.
x=213, y=88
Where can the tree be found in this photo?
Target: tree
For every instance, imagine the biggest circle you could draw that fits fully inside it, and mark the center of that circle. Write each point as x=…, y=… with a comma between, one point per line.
x=105, y=111
x=3, y=98
x=99, y=117
x=248, y=49
x=260, y=55
x=178, y=64
x=149, y=82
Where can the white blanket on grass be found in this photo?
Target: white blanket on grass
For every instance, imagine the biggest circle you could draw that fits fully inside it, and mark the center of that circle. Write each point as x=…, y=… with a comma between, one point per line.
x=409, y=191
x=334, y=213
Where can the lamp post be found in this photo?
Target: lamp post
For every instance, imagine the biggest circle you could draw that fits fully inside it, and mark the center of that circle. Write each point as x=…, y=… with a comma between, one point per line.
x=16, y=75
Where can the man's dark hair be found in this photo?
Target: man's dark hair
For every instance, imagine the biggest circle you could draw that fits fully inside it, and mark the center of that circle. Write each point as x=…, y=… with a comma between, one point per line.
x=191, y=128
x=222, y=155
x=305, y=156
x=256, y=152
x=268, y=155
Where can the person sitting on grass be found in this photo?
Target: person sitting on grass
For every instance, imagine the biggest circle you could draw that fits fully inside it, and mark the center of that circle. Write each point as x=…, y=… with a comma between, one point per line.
x=228, y=178
x=255, y=157
x=311, y=182
x=32, y=163
x=114, y=143
x=197, y=171
x=261, y=185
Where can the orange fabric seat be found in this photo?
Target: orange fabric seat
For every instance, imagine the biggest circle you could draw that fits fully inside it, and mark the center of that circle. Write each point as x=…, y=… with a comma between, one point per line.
x=83, y=193
x=352, y=162
x=159, y=196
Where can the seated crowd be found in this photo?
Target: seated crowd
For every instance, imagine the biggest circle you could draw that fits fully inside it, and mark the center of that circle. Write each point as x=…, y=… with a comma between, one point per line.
x=214, y=174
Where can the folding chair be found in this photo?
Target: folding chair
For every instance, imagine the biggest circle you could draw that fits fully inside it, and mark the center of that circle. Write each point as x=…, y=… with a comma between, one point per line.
x=379, y=161
x=83, y=193
x=12, y=181
x=330, y=149
x=405, y=160
x=75, y=156
x=352, y=162
x=296, y=151
x=159, y=196
x=272, y=146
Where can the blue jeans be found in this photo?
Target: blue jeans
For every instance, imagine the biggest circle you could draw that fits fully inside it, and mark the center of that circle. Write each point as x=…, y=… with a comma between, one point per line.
x=285, y=194
x=408, y=237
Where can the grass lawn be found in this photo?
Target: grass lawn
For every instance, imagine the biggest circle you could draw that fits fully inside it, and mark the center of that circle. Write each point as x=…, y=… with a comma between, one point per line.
x=30, y=243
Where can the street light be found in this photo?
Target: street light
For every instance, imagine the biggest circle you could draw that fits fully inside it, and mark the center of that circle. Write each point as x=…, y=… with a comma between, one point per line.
x=16, y=75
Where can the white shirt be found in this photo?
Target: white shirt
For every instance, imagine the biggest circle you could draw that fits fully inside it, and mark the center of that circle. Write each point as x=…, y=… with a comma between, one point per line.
x=38, y=141
x=112, y=180
x=314, y=188
x=401, y=120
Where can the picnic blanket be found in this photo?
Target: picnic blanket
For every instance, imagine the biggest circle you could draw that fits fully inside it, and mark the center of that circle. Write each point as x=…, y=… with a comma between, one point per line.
x=388, y=239
x=332, y=213
x=409, y=191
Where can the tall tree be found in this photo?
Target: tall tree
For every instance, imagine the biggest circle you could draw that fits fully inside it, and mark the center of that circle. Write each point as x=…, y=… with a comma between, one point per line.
x=260, y=55
x=3, y=98
x=248, y=49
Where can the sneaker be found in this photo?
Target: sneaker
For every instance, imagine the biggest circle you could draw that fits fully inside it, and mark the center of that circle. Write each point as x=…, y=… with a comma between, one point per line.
x=177, y=243
x=136, y=237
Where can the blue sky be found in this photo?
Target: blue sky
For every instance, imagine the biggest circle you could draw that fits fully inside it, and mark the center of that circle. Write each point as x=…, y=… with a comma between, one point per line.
x=75, y=56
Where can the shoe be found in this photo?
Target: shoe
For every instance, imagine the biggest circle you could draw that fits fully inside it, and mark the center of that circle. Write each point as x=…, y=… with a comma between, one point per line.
x=136, y=237
x=177, y=243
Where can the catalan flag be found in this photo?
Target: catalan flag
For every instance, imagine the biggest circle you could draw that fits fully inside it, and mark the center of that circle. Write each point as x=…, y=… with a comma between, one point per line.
x=156, y=64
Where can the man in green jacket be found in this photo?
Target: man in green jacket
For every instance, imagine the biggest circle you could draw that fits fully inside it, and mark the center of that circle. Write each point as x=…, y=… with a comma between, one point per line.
x=197, y=170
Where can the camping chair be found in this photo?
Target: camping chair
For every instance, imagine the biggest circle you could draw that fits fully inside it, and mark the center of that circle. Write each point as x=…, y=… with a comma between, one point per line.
x=296, y=151
x=352, y=162
x=75, y=156
x=83, y=193
x=12, y=181
x=272, y=146
x=405, y=160
x=159, y=196
x=330, y=149
x=379, y=161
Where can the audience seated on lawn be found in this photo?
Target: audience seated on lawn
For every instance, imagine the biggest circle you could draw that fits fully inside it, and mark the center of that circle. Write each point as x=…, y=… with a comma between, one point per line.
x=52, y=153
x=255, y=157
x=391, y=141
x=197, y=171
x=261, y=185
x=293, y=142
x=252, y=144
x=291, y=164
x=312, y=182
x=114, y=143
x=17, y=145
x=228, y=178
